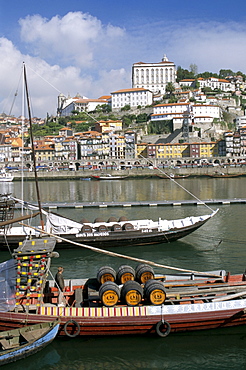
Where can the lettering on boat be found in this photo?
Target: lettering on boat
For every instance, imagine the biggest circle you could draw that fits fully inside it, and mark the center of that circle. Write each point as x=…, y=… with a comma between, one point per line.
x=93, y=234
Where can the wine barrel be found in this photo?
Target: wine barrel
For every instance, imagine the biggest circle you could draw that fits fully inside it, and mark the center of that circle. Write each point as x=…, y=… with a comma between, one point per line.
x=98, y=219
x=102, y=228
x=125, y=273
x=86, y=229
x=132, y=293
x=116, y=227
x=154, y=292
x=112, y=219
x=144, y=273
x=127, y=226
x=123, y=218
x=106, y=273
x=109, y=294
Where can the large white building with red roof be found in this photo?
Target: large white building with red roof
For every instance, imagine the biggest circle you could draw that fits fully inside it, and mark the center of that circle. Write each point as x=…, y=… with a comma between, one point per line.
x=154, y=76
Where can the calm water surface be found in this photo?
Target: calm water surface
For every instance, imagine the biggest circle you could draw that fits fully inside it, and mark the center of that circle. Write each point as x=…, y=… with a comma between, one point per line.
x=220, y=244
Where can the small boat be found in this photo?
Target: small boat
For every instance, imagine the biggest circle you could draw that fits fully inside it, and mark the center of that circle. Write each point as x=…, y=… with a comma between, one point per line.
x=127, y=301
x=6, y=176
x=108, y=176
x=172, y=176
x=222, y=175
x=23, y=342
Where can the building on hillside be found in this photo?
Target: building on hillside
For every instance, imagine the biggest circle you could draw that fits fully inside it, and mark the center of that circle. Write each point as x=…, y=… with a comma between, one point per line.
x=110, y=125
x=154, y=76
x=117, y=145
x=242, y=132
x=131, y=141
x=65, y=132
x=5, y=153
x=142, y=150
x=66, y=106
x=178, y=150
x=212, y=82
x=71, y=150
x=133, y=97
x=203, y=150
x=240, y=122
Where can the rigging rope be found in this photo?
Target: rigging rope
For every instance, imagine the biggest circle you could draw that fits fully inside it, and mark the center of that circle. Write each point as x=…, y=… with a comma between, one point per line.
x=113, y=254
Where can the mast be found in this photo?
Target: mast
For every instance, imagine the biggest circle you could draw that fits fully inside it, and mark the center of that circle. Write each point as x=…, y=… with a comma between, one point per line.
x=33, y=151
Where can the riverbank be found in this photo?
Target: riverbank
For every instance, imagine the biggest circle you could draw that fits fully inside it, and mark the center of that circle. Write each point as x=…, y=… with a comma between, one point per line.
x=135, y=173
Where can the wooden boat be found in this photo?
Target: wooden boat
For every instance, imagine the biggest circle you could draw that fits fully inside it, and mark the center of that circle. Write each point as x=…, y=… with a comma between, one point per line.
x=222, y=175
x=172, y=176
x=132, y=301
x=102, y=234
x=23, y=342
x=108, y=177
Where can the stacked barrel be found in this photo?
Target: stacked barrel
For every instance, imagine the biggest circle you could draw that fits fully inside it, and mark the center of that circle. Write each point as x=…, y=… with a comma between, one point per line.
x=130, y=286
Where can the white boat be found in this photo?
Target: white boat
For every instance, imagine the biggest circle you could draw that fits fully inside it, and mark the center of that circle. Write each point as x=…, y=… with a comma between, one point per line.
x=6, y=176
x=108, y=177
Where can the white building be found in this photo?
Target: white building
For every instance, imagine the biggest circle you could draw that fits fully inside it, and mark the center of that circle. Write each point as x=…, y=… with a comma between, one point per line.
x=212, y=82
x=197, y=113
x=80, y=104
x=154, y=76
x=133, y=97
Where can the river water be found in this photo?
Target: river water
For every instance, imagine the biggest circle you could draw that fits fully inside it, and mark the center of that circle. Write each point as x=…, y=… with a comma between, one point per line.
x=219, y=244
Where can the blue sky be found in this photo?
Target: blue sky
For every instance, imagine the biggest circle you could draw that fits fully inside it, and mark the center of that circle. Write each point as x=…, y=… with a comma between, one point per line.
x=89, y=46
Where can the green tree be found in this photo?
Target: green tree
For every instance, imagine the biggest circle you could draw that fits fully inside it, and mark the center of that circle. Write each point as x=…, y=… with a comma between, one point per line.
x=170, y=88
x=126, y=107
x=143, y=117
x=193, y=69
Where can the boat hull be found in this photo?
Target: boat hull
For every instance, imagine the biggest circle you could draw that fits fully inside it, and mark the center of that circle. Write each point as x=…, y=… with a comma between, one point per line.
x=33, y=346
x=111, y=239
x=128, y=320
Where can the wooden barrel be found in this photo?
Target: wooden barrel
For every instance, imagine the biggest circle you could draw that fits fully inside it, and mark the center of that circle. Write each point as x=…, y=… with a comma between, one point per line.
x=109, y=294
x=125, y=273
x=116, y=227
x=132, y=293
x=154, y=292
x=112, y=219
x=106, y=273
x=86, y=229
x=144, y=273
x=102, y=229
x=127, y=226
x=123, y=218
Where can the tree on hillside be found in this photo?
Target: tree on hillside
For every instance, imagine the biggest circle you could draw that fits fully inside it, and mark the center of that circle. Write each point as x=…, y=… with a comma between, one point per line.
x=183, y=74
x=170, y=88
x=225, y=73
x=193, y=69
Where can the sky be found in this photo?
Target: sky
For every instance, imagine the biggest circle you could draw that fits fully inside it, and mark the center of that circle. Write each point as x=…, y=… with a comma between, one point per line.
x=89, y=47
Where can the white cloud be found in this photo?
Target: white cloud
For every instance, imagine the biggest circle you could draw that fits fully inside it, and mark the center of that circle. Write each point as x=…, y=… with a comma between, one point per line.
x=76, y=38
x=78, y=54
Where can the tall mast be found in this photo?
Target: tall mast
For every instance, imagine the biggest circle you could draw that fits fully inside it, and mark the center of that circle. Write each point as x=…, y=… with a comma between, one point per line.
x=33, y=151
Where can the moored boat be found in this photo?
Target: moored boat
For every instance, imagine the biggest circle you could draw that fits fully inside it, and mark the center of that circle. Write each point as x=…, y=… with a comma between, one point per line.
x=6, y=176
x=22, y=342
x=113, y=232
x=108, y=176
x=129, y=301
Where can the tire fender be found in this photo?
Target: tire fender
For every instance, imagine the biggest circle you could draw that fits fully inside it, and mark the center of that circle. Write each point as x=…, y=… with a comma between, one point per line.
x=160, y=325
x=73, y=322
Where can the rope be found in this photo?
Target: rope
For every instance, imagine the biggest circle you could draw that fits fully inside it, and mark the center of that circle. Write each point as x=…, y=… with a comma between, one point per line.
x=113, y=254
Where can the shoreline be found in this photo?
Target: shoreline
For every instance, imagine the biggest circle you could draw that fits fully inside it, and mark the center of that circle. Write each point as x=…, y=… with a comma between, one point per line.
x=134, y=173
